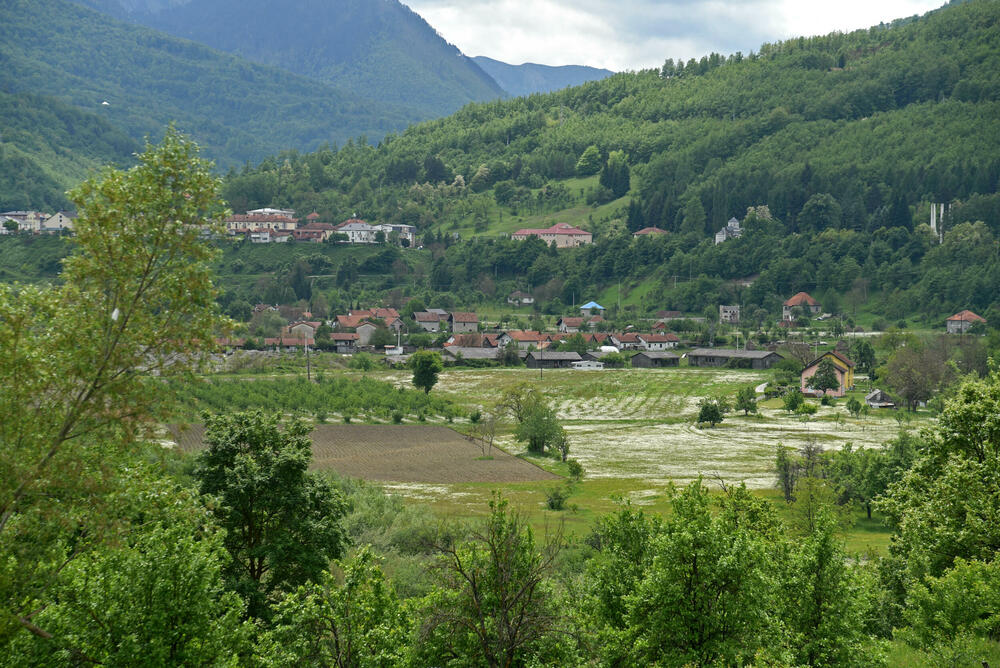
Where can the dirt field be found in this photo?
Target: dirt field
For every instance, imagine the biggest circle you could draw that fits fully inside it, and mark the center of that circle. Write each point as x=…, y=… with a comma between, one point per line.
x=400, y=453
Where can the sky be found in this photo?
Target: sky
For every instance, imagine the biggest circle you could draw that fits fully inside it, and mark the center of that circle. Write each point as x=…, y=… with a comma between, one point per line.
x=636, y=34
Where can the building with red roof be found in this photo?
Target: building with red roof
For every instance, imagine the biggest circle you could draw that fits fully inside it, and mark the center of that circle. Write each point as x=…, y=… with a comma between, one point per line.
x=563, y=235
x=649, y=232
x=962, y=321
x=801, y=300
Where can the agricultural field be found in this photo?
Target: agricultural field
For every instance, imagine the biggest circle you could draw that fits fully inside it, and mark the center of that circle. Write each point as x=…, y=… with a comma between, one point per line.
x=400, y=453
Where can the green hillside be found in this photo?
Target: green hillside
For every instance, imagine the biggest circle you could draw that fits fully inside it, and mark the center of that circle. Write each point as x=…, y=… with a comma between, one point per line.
x=846, y=139
x=47, y=145
x=236, y=110
x=530, y=78
x=382, y=51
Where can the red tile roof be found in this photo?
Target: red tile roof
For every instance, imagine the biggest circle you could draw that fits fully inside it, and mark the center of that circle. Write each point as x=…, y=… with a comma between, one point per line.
x=464, y=316
x=658, y=338
x=558, y=228
x=800, y=299
x=650, y=230
x=424, y=316
x=344, y=336
x=571, y=322
x=967, y=316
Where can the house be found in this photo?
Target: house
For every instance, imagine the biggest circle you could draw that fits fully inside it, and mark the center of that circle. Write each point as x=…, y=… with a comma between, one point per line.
x=655, y=360
x=242, y=224
x=563, y=235
x=303, y=328
x=649, y=232
x=308, y=236
x=626, y=341
x=278, y=213
x=658, y=342
x=569, y=325
x=742, y=359
x=843, y=367
x=27, y=221
x=365, y=331
x=962, y=321
x=357, y=231
x=345, y=343
x=729, y=314
x=288, y=342
x=732, y=230
x=587, y=365
x=547, y=359
x=590, y=307
x=802, y=301
x=524, y=339
x=879, y=399
x=594, y=321
x=58, y=222
x=597, y=339
x=462, y=322
x=429, y=322
x=518, y=298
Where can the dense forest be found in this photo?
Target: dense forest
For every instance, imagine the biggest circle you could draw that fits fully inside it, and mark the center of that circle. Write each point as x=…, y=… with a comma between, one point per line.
x=829, y=149
x=237, y=110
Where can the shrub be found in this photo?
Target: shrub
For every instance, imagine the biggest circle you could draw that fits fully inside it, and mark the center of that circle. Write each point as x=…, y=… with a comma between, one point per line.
x=476, y=417
x=321, y=416
x=397, y=417
x=575, y=469
x=555, y=497
x=347, y=418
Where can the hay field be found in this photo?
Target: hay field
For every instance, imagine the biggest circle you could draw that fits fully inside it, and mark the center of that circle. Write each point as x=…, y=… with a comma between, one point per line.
x=400, y=453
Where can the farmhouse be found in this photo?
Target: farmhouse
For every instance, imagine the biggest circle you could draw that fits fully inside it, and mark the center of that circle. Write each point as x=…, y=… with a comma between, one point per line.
x=626, y=341
x=563, y=235
x=569, y=325
x=657, y=342
x=843, y=367
x=743, y=359
x=345, y=343
x=303, y=328
x=545, y=359
x=655, y=360
x=803, y=301
x=427, y=321
x=462, y=322
x=962, y=321
x=518, y=298
x=523, y=339
x=591, y=308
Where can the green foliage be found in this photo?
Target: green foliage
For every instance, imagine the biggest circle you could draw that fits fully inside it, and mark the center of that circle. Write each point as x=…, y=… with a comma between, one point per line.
x=825, y=377
x=589, y=162
x=336, y=394
x=854, y=406
x=792, y=400
x=74, y=402
x=538, y=426
x=426, y=366
x=362, y=362
x=282, y=523
x=356, y=622
x=493, y=602
x=710, y=411
x=746, y=400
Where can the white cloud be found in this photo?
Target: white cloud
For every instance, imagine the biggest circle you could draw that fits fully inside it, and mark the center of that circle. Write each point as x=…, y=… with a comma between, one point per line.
x=633, y=34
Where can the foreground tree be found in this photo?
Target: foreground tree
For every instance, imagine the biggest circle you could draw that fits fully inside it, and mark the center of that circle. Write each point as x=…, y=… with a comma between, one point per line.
x=746, y=400
x=825, y=377
x=494, y=604
x=426, y=366
x=282, y=522
x=135, y=301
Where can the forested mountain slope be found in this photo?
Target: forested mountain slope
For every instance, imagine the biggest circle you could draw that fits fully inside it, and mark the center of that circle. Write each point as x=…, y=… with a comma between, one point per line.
x=846, y=138
x=531, y=78
x=238, y=111
x=380, y=50
x=46, y=145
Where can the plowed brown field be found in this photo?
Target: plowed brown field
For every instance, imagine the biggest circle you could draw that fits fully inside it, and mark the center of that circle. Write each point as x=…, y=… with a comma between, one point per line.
x=399, y=453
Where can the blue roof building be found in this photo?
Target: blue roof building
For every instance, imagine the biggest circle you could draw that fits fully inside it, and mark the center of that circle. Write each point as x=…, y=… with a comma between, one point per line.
x=586, y=308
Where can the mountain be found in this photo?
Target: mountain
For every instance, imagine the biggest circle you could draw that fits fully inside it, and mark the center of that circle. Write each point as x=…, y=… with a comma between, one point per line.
x=530, y=78
x=380, y=49
x=47, y=146
x=237, y=110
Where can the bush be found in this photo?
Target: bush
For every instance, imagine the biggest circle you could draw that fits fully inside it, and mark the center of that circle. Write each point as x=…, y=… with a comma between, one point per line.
x=397, y=417
x=555, y=497
x=347, y=418
x=575, y=470
x=806, y=408
x=321, y=416
x=362, y=362
x=476, y=417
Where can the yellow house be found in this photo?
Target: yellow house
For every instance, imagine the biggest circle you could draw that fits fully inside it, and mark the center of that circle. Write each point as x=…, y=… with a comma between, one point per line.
x=843, y=367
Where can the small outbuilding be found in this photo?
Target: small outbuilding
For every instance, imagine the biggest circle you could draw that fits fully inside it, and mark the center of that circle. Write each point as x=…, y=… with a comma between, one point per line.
x=741, y=359
x=546, y=359
x=655, y=360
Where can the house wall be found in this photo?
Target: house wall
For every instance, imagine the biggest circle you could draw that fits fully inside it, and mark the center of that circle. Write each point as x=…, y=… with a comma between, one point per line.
x=464, y=327
x=365, y=333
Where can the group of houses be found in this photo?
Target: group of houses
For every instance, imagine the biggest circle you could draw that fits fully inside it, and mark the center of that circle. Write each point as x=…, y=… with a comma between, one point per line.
x=262, y=226
x=36, y=222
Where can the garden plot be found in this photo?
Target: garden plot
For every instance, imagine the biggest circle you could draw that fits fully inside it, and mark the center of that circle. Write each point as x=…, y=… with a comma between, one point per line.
x=401, y=453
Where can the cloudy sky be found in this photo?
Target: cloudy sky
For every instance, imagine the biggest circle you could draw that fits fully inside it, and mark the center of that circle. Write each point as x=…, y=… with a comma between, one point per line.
x=634, y=34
